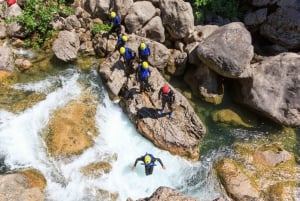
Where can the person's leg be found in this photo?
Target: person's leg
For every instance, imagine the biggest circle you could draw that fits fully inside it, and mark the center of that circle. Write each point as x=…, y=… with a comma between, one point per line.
x=171, y=115
x=147, y=171
x=163, y=103
x=151, y=169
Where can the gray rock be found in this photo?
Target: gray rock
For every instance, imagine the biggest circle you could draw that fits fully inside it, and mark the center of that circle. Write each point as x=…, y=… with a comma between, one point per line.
x=283, y=27
x=274, y=88
x=177, y=62
x=3, y=31
x=138, y=15
x=180, y=135
x=66, y=46
x=177, y=17
x=72, y=22
x=97, y=8
x=122, y=6
x=260, y=3
x=6, y=59
x=155, y=30
x=228, y=50
x=257, y=17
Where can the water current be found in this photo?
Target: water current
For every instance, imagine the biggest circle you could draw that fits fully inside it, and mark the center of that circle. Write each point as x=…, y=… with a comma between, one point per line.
x=23, y=146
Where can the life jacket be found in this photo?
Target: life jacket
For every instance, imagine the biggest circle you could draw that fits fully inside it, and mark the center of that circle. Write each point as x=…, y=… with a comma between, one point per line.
x=152, y=160
x=116, y=21
x=11, y=2
x=143, y=72
x=129, y=54
x=145, y=52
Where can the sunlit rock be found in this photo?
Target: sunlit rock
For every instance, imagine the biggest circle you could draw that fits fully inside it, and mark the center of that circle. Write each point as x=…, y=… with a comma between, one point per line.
x=181, y=135
x=236, y=181
x=26, y=185
x=271, y=166
x=72, y=127
x=97, y=169
x=273, y=88
x=166, y=193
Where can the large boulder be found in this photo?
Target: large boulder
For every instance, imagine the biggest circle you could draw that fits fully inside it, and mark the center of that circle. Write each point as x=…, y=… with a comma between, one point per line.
x=274, y=88
x=154, y=30
x=236, y=181
x=181, y=135
x=66, y=46
x=97, y=8
x=283, y=27
x=177, y=17
x=138, y=15
x=228, y=50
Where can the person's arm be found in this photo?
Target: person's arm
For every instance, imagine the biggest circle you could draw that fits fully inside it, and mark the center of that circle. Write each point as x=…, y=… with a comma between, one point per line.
x=161, y=163
x=172, y=96
x=138, y=159
x=159, y=94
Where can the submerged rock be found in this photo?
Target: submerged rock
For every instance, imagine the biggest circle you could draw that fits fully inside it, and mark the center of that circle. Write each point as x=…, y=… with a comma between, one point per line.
x=71, y=128
x=228, y=116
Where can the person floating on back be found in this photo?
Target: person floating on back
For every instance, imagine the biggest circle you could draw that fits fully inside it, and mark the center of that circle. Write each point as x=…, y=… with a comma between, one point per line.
x=149, y=162
x=128, y=56
x=142, y=76
x=144, y=52
x=166, y=94
x=121, y=42
x=116, y=23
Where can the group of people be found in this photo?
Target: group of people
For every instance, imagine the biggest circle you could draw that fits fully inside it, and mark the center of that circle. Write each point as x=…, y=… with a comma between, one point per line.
x=143, y=72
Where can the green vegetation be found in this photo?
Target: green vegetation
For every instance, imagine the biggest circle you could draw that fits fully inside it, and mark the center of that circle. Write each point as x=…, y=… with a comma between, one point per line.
x=96, y=28
x=224, y=8
x=36, y=18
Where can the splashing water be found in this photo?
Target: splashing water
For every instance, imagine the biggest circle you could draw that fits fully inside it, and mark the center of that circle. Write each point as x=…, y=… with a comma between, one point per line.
x=22, y=145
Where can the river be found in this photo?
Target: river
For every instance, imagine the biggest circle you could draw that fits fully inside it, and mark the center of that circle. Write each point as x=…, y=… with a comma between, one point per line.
x=23, y=146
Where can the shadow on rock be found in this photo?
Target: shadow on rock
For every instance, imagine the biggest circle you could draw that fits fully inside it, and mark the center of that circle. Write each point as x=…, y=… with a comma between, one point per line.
x=146, y=112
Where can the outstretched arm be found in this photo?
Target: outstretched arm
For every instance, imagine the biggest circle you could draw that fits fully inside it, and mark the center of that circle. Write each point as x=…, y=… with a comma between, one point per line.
x=138, y=159
x=161, y=163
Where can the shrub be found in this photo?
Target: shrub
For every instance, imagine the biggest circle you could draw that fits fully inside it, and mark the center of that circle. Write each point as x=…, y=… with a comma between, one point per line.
x=224, y=8
x=96, y=28
x=36, y=18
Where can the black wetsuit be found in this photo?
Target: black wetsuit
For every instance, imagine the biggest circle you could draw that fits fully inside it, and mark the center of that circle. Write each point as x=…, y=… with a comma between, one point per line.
x=167, y=98
x=150, y=166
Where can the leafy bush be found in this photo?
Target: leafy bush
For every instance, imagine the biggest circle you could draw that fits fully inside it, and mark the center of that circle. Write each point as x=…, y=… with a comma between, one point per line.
x=96, y=28
x=36, y=18
x=224, y=8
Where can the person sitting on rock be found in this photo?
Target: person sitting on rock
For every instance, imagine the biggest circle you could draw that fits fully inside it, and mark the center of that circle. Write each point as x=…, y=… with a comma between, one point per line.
x=149, y=162
x=166, y=94
x=142, y=76
x=128, y=56
x=144, y=52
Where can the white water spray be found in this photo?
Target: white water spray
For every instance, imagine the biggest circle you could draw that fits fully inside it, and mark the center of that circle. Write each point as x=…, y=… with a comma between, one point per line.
x=23, y=146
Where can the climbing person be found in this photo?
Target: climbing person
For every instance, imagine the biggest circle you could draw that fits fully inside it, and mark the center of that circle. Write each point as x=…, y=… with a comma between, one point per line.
x=166, y=94
x=149, y=162
x=128, y=56
x=116, y=23
x=142, y=76
x=144, y=52
x=11, y=2
x=121, y=42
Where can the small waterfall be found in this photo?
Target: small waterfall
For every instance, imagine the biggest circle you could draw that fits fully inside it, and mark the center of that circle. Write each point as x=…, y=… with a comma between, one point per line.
x=22, y=145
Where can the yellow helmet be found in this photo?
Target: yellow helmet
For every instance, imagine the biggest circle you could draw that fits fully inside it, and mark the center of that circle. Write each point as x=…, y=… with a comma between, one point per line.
x=145, y=64
x=147, y=159
x=113, y=14
x=124, y=38
x=143, y=46
x=122, y=50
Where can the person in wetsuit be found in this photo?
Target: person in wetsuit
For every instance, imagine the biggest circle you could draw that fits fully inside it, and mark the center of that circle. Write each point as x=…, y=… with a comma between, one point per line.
x=149, y=162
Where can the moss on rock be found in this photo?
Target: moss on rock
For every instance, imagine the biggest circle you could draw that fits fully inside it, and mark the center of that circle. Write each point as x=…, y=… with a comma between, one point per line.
x=230, y=117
